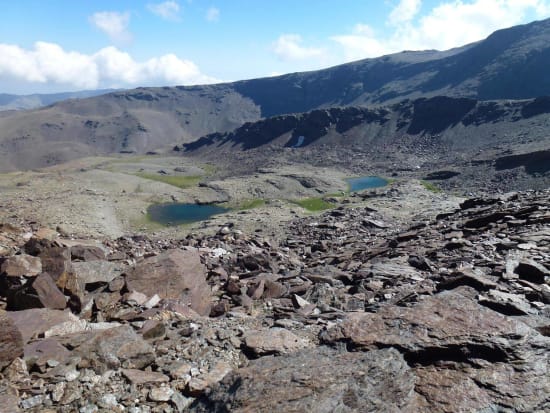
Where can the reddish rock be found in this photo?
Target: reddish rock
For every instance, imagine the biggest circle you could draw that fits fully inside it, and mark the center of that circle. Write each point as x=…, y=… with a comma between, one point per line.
x=176, y=274
x=48, y=293
x=11, y=341
x=56, y=261
x=36, y=321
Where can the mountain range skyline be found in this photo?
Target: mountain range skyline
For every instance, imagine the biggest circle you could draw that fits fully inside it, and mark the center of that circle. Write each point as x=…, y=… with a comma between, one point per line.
x=77, y=46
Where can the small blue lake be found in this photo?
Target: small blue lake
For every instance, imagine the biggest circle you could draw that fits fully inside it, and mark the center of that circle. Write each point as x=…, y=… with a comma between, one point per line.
x=177, y=213
x=365, y=182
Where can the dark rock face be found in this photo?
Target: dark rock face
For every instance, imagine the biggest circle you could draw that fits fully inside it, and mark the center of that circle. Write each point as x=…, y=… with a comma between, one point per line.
x=534, y=162
x=316, y=381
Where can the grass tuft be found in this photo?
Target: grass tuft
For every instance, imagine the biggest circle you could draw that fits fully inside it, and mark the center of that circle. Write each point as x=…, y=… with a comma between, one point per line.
x=430, y=187
x=314, y=204
x=175, y=180
x=251, y=204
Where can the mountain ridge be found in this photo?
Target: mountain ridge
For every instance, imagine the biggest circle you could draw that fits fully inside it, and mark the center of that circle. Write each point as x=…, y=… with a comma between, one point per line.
x=509, y=64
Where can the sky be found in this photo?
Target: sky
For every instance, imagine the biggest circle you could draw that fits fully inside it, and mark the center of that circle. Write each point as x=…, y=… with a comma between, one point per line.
x=68, y=45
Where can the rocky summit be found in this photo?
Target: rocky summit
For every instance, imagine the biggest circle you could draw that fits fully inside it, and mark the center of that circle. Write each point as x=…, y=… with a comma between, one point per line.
x=349, y=311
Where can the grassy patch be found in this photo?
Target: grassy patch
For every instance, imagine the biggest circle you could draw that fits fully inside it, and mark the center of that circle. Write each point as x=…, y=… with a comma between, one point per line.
x=177, y=180
x=251, y=204
x=430, y=187
x=314, y=204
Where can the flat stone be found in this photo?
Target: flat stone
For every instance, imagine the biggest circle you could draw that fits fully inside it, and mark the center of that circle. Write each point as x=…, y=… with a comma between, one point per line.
x=176, y=274
x=316, y=380
x=451, y=322
x=112, y=348
x=36, y=321
x=142, y=377
x=20, y=265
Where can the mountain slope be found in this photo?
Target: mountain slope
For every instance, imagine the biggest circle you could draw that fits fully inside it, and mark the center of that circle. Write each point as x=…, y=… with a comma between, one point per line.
x=34, y=101
x=509, y=64
x=497, y=143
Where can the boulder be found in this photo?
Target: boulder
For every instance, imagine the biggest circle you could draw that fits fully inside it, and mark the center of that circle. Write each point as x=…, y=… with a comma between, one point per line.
x=112, y=348
x=175, y=274
x=20, y=265
x=448, y=326
x=36, y=321
x=316, y=380
x=42, y=292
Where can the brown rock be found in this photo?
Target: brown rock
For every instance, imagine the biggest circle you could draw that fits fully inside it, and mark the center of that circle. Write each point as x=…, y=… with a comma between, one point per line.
x=11, y=341
x=113, y=348
x=448, y=325
x=19, y=265
x=174, y=274
x=316, y=380
x=36, y=321
x=135, y=376
x=48, y=293
x=56, y=261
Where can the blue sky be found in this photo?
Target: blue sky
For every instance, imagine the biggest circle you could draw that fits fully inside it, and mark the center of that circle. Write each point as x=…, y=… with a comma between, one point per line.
x=54, y=45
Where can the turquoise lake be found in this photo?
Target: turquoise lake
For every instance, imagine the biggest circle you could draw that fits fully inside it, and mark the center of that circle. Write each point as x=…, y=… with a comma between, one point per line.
x=365, y=182
x=177, y=213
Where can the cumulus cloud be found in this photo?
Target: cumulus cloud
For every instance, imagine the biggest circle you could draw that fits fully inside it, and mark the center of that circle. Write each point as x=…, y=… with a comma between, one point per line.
x=168, y=10
x=113, y=24
x=288, y=47
x=48, y=63
x=404, y=11
x=448, y=25
x=213, y=14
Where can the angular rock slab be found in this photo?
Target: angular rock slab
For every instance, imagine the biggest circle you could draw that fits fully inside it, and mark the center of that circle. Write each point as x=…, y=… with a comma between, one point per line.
x=176, y=274
x=316, y=380
x=11, y=341
x=19, y=265
x=447, y=326
x=112, y=348
x=36, y=321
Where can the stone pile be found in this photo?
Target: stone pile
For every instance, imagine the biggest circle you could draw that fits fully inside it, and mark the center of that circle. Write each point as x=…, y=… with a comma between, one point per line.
x=349, y=312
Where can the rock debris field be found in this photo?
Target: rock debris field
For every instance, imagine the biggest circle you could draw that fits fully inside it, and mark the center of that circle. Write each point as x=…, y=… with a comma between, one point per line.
x=346, y=312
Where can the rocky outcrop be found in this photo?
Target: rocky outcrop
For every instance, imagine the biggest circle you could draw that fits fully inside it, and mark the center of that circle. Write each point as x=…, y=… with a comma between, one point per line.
x=346, y=311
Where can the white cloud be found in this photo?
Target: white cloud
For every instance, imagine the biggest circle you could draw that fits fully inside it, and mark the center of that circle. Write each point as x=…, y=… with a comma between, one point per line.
x=213, y=14
x=404, y=11
x=113, y=24
x=168, y=10
x=287, y=47
x=450, y=24
x=48, y=63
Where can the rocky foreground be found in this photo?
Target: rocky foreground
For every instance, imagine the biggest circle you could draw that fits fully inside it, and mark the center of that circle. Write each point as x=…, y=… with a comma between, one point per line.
x=346, y=313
